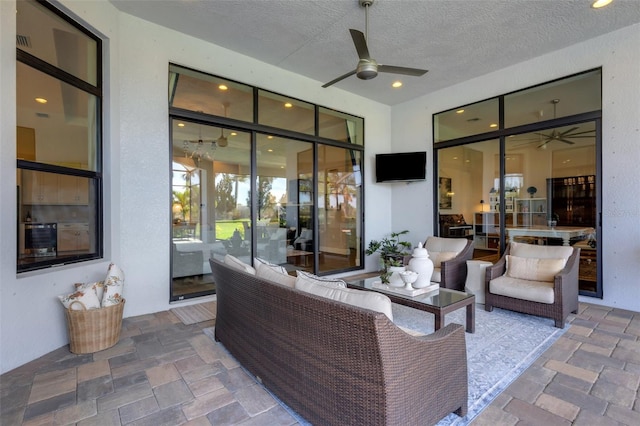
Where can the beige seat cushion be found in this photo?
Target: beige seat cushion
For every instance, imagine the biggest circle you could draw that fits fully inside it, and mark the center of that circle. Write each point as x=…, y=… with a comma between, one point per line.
x=363, y=299
x=439, y=244
x=534, y=291
x=436, y=277
x=442, y=249
x=534, y=269
x=236, y=263
x=275, y=274
x=540, y=252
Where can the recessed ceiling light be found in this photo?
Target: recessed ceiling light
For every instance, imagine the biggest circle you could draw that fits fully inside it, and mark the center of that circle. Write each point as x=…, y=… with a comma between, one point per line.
x=41, y=100
x=597, y=4
x=288, y=105
x=233, y=134
x=180, y=124
x=493, y=125
x=396, y=84
x=269, y=137
x=223, y=87
x=460, y=111
x=269, y=150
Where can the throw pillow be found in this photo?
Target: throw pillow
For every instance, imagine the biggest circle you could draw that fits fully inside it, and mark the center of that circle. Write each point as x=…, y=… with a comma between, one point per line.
x=532, y=269
x=314, y=279
x=97, y=286
x=113, y=286
x=364, y=299
x=87, y=298
x=441, y=256
x=234, y=262
x=275, y=275
x=261, y=262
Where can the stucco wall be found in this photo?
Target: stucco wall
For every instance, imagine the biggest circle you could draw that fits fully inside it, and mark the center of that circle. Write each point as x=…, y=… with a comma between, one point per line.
x=137, y=182
x=618, y=55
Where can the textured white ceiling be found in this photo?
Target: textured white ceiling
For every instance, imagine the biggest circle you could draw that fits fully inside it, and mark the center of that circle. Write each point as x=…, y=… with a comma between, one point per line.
x=455, y=40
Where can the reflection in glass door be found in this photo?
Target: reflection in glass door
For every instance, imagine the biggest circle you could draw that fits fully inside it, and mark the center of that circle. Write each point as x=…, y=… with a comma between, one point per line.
x=210, y=203
x=558, y=189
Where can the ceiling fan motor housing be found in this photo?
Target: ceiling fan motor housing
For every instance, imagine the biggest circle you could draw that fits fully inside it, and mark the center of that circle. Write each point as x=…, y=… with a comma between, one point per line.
x=366, y=69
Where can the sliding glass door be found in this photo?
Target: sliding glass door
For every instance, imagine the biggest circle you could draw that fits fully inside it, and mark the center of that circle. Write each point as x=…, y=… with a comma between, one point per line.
x=537, y=171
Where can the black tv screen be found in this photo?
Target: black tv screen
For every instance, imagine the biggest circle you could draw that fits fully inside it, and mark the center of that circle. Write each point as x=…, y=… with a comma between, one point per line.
x=404, y=166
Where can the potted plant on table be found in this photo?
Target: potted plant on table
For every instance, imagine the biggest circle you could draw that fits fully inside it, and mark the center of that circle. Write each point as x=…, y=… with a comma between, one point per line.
x=392, y=251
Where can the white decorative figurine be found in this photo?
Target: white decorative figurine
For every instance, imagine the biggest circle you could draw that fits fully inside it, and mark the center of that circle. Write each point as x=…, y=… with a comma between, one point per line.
x=421, y=264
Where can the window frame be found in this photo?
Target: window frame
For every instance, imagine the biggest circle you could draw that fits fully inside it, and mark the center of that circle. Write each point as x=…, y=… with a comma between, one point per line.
x=96, y=176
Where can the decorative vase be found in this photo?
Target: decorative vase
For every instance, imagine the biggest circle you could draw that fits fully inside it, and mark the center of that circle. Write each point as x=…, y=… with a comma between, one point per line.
x=421, y=264
x=395, y=280
x=408, y=277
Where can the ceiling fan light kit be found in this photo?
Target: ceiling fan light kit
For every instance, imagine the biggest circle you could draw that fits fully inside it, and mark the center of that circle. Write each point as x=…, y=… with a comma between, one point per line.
x=368, y=67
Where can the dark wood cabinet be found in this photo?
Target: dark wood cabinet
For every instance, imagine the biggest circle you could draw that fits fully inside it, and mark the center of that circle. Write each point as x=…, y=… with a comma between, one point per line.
x=573, y=200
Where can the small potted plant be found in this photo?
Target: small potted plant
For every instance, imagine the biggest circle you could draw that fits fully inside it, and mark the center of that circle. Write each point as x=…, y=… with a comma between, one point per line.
x=392, y=251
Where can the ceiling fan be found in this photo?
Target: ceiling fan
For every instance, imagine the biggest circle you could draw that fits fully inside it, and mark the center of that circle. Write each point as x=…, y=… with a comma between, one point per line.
x=368, y=67
x=564, y=136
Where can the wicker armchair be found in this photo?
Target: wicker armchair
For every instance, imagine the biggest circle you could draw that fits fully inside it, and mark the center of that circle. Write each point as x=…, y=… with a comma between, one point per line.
x=555, y=299
x=449, y=272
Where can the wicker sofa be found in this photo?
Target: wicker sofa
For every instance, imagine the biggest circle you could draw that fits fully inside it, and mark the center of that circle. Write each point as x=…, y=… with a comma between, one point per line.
x=335, y=363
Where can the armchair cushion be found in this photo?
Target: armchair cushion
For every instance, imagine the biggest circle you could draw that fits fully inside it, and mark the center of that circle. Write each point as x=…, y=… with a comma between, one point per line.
x=438, y=257
x=449, y=257
x=534, y=269
x=439, y=244
x=534, y=291
x=540, y=252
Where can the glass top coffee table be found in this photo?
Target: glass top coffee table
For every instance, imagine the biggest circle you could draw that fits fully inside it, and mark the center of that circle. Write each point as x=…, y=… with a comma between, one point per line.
x=438, y=302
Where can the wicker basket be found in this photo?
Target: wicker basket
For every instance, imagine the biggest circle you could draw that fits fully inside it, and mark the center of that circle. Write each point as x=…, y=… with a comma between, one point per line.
x=93, y=330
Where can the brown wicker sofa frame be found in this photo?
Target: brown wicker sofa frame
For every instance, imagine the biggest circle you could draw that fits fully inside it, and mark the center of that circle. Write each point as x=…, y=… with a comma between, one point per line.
x=565, y=292
x=337, y=364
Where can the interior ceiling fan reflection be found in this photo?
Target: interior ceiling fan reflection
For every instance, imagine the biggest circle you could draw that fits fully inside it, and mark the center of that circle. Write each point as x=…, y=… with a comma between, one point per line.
x=564, y=136
x=368, y=67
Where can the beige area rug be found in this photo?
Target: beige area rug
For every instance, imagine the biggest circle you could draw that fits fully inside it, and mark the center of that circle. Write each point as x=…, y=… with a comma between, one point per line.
x=196, y=313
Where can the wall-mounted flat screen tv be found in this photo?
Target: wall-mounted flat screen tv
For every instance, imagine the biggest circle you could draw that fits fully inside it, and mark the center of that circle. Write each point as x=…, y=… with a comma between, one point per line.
x=403, y=166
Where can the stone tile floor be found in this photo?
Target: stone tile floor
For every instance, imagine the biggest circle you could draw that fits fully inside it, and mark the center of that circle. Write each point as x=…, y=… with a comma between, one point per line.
x=165, y=373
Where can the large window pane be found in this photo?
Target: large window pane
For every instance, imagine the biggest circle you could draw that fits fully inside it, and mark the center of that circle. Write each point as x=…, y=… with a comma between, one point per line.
x=44, y=35
x=284, y=228
x=340, y=126
x=58, y=218
x=467, y=195
x=474, y=119
x=285, y=113
x=58, y=140
x=57, y=123
x=210, y=203
x=339, y=207
x=200, y=92
x=569, y=96
x=558, y=184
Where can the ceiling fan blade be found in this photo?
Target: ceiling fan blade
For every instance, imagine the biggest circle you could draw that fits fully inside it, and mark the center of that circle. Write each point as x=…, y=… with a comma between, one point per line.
x=544, y=143
x=361, y=44
x=402, y=70
x=582, y=133
x=342, y=77
x=566, y=141
x=567, y=131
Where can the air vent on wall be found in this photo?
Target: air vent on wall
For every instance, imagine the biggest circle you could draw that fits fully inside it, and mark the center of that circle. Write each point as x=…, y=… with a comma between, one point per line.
x=23, y=41
x=42, y=115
